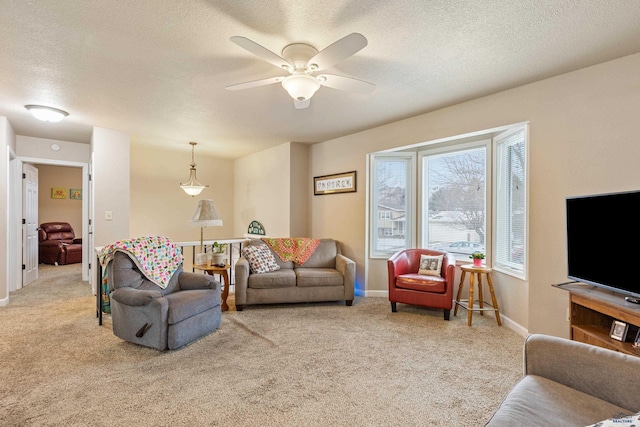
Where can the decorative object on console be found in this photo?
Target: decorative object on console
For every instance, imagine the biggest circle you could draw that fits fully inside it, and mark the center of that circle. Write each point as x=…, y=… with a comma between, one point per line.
x=255, y=229
x=205, y=216
x=336, y=183
x=193, y=187
x=618, y=330
x=46, y=114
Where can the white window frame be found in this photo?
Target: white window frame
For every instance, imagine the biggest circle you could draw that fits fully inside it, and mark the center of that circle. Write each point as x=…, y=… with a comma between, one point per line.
x=424, y=202
x=410, y=158
x=499, y=263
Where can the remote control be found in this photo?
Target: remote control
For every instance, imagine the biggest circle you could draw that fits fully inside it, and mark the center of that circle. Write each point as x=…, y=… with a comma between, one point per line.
x=632, y=300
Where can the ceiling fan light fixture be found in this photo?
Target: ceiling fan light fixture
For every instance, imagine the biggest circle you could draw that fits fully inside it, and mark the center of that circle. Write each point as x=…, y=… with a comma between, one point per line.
x=301, y=86
x=46, y=114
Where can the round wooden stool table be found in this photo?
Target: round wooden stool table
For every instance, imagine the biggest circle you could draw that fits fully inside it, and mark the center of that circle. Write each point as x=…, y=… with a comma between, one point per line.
x=468, y=304
x=222, y=271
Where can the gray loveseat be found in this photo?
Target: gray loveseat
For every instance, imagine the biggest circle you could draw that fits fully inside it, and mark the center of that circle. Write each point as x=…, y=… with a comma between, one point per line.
x=326, y=276
x=145, y=314
x=569, y=383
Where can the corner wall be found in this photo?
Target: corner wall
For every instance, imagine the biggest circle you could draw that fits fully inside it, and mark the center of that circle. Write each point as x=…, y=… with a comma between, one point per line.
x=110, y=185
x=7, y=142
x=272, y=187
x=583, y=140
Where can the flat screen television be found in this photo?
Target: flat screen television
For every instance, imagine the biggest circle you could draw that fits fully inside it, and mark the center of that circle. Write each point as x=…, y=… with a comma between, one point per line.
x=603, y=233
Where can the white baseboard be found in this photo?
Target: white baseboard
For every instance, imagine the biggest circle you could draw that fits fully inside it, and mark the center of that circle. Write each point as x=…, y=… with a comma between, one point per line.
x=4, y=301
x=506, y=321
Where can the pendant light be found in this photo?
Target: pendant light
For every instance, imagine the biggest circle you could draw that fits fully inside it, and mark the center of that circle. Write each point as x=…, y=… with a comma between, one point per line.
x=192, y=187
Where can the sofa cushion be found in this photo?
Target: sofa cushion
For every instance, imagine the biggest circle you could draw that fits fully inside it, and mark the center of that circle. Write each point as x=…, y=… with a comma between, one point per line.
x=284, y=278
x=185, y=304
x=261, y=259
x=536, y=401
x=421, y=282
x=318, y=277
x=323, y=257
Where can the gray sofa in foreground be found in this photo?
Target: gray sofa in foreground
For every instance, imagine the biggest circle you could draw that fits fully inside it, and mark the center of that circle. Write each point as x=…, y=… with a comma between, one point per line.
x=326, y=276
x=569, y=383
x=145, y=314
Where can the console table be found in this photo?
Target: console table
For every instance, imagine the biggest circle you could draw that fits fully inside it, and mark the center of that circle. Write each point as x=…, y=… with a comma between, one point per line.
x=592, y=312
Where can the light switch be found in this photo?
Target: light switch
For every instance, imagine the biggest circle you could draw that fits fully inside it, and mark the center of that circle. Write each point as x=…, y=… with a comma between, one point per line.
x=108, y=215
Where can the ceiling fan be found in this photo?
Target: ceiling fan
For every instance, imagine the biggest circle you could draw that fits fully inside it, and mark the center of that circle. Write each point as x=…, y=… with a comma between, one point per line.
x=302, y=61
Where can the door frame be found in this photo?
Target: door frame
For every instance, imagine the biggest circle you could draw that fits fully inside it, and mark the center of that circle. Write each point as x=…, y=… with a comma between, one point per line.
x=86, y=189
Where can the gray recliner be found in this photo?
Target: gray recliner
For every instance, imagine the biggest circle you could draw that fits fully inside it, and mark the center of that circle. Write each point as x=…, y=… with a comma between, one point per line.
x=145, y=314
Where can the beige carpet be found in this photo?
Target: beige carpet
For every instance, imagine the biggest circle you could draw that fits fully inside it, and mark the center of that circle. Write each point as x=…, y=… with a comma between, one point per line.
x=293, y=365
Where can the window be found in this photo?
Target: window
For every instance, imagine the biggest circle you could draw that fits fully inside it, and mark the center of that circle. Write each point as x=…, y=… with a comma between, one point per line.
x=473, y=198
x=511, y=200
x=392, y=176
x=454, y=194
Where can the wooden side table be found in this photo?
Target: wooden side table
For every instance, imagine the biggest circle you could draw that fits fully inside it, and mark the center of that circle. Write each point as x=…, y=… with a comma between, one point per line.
x=222, y=271
x=468, y=304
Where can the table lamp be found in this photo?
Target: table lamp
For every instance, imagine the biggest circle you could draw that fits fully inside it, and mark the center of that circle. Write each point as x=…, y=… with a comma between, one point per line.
x=205, y=216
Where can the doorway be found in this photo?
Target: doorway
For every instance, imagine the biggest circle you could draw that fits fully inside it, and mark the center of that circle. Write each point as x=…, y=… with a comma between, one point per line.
x=81, y=204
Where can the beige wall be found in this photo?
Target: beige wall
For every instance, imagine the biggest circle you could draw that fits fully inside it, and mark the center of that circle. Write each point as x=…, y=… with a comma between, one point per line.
x=111, y=182
x=583, y=140
x=160, y=207
x=262, y=191
x=59, y=210
x=272, y=187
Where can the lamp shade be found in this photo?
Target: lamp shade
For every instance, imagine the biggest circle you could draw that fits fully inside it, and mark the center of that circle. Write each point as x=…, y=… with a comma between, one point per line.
x=301, y=86
x=206, y=215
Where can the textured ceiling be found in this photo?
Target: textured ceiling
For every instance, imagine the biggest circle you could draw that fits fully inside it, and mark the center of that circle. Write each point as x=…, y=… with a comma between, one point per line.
x=158, y=68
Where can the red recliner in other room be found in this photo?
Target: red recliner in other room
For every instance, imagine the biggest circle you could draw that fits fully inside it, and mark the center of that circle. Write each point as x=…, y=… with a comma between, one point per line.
x=58, y=244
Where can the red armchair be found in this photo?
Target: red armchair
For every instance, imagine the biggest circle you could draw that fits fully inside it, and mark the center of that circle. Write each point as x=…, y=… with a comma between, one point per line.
x=408, y=287
x=58, y=244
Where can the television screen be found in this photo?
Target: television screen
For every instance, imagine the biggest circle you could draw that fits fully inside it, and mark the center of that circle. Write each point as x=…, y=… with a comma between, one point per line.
x=603, y=232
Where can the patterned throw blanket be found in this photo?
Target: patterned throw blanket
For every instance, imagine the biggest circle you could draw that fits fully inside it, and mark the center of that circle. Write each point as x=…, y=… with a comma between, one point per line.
x=157, y=257
x=297, y=249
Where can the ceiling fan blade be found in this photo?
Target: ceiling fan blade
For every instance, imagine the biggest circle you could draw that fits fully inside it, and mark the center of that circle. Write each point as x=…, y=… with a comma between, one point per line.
x=336, y=52
x=255, y=83
x=262, y=52
x=300, y=105
x=348, y=84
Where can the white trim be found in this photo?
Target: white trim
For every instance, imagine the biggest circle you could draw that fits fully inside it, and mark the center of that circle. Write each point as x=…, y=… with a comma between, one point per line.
x=515, y=327
x=377, y=294
x=480, y=133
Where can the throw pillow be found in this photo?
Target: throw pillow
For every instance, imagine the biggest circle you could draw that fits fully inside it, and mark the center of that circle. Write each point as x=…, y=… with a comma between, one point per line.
x=621, y=420
x=430, y=264
x=261, y=259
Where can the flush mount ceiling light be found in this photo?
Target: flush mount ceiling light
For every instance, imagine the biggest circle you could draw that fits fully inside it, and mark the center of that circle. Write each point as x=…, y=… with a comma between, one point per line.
x=46, y=114
x=192, y=187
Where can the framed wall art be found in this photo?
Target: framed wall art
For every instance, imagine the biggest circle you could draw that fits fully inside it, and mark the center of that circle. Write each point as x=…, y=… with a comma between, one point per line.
x=75, y=194
x=58, y=193
x=336, y=183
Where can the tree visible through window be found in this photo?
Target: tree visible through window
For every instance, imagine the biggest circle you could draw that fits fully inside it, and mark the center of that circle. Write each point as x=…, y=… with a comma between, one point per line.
x=454, y=200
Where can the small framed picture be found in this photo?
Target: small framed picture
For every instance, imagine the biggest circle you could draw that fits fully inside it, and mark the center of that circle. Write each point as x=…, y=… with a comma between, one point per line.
x=58, y=193
x=619, y=330
x=636, y=342
x=75, y=194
